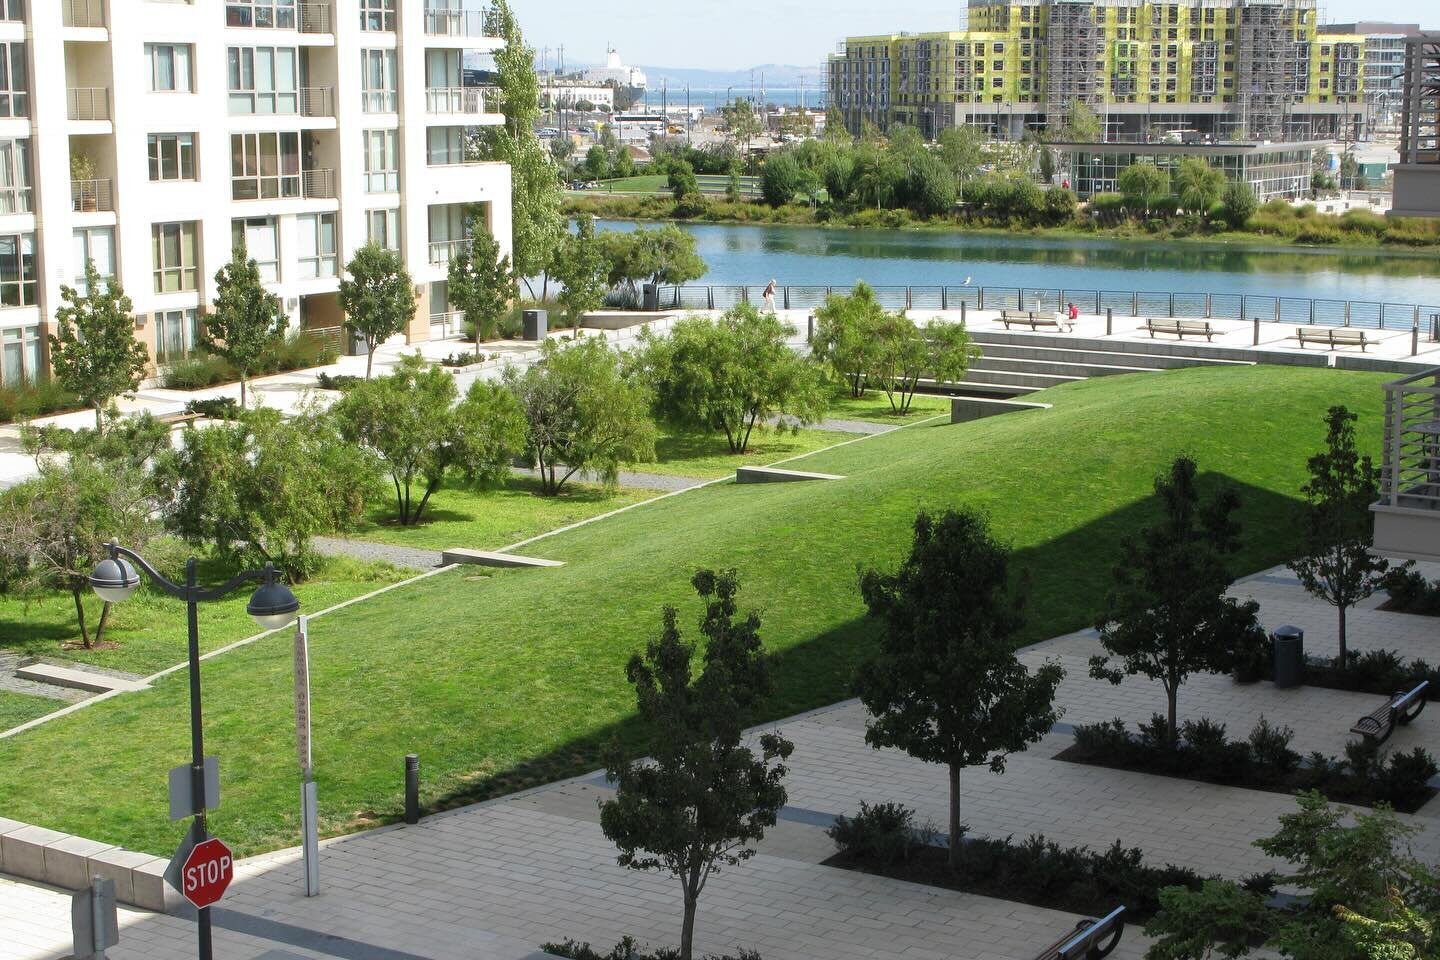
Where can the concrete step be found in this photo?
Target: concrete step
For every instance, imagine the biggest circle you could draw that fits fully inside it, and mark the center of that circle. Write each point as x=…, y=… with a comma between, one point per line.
x=1091, y=354
x=75, y=679
x=1189, y=349
x=1062, y=368
x=973, y=388
x=1036, y=378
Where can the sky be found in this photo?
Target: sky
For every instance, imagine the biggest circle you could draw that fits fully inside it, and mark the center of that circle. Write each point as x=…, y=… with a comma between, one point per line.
x=739, y=34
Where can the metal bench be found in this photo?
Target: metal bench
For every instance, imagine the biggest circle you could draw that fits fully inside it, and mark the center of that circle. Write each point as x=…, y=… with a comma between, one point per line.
x=1091, y=939
x=1378, y=724
x=1034, y=319
x=1180, y=328
x=1333, y=337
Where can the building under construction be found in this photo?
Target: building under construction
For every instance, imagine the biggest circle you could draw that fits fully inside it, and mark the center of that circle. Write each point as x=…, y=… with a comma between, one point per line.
x=1220, y=70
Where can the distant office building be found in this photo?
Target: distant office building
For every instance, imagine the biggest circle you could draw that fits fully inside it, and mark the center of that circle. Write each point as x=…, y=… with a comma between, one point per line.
x=1417, y=175
x=1272, y=170
x=569, y=93
x=1229, y=69
x=1384, y=66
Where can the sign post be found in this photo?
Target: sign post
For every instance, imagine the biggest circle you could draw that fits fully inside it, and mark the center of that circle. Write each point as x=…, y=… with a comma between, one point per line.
x=93, y=919
x=310, y=837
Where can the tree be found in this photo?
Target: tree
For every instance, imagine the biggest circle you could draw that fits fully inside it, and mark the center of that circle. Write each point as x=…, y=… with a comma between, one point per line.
x=93, y=350
x=780, y=178
x=561, y=149
x=1082, y=125
x=946, y=686
x=247, y=320
x=930, y=187
x=740, y=123
x=701, y=798
x=580, y=268
x=962, y=149
x=681, y=179
x=377, y=297
x=1337, y=565
x=411, y=422
x=1198, y=185
x=1060, y=205
x=905, y=353
x=1167, y=616
x=666, y=255
x=847, y=330
x=1143, y=185
x=624, y=163
x=730, y=373
x=597, y=163
x=1045, y=162
x=581, y=414
x=259, y=488
x=481, y=282
x=1238, y=204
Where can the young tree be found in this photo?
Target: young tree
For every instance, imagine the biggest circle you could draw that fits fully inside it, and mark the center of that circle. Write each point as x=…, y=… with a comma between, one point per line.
x=247, y=320
x=1143, y=185
x=1082, y=125
x=741, y=124
x=962, y=149
x=93, y=350
x=1167, y=615
x=701, y=798
x=1238, y=204
x=580, y=268
x=731, y=373
x=905, y=353
x=410, y=420
x=930, y=187
x=624, y=163
x=581, y=414
x=666, y=255
x=946, y=686
x=1198, y=185
x=377, y=296
x=847, y=331
x=1337, y=565
x=481, y=283
x=682, y=180
x=780, y=178
x=596, y=163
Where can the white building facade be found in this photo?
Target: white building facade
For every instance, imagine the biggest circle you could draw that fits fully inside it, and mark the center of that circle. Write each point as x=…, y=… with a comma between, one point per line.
x=150, y=135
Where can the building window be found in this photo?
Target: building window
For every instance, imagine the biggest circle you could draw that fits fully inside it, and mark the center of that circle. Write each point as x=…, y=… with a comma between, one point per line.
x=264, y=166
x=317, y=245
x=377, y=81
x=172, y=156
x=444, y=146
x=14, y=80
x=15, y=179
x=95, y=244
x=173, y=250
x=276, y=14
x=12, y=10
x=261, y=240
x=177, y=332
x=377, y=15
x=382, y=161
x=20, y=355
x=382, y=227
x=263, y=80
x=17, y=270
x=169, y=67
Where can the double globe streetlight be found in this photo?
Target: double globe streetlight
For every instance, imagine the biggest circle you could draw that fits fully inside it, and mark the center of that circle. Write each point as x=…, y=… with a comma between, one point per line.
x=272, y=606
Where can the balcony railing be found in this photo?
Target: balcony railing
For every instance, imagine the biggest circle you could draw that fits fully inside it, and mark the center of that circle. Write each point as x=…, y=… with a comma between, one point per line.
x=446, y=325
x=83, y=13
x=314, y=18
x=379, y=101
x=459, y=100
x=317, y=101
x=461, y=23
x=443, y=251
x=91, y=195
x=317, y=183
x=88, y=103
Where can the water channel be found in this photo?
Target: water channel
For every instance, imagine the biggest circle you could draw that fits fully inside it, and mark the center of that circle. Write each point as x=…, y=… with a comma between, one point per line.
x=745, y=254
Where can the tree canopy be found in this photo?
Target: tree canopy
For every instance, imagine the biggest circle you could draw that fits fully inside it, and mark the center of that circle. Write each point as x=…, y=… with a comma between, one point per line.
x=247, y=320
x=93, y=350
x=580, y=268
x=847, y=336
x=377, y=296
x=480, y=282
x=904, y=353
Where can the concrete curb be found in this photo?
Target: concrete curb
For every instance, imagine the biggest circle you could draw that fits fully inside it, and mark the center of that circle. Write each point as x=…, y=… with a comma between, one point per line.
x=65, y=861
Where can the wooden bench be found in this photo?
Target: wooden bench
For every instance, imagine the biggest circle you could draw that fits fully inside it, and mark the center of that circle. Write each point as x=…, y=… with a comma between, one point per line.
x=1180, y=328
x=1034, y=319
x=1333, y=337
x=1378, y=724
x=1090, y=940
x=179, y=419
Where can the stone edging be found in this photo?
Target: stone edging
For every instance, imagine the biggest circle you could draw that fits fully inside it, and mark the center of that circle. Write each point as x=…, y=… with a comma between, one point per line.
x=61, y=860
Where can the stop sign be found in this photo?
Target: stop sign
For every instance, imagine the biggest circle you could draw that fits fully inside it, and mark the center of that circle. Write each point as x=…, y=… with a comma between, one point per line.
x=207, y=872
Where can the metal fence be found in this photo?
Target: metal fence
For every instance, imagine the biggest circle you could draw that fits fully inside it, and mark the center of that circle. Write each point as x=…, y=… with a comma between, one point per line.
x=1370, y=314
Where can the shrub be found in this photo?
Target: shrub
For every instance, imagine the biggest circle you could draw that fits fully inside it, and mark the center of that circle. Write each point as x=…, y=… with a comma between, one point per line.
x=1410, y=592
x=463, y=359
x=296, y=352
x=1270, y=746
x=338, y=381
x=1098, y=741
x=1317, y=232
x=629, y=949
x=691, y=205
x=34, y=400
x=216, y=408
x=881, y=834
x=197, y=373
x=1403, y=781
x=1210, y=754
x=1364, y=221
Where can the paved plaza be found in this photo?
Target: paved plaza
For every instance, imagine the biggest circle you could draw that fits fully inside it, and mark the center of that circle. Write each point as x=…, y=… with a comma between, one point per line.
x=498, y=879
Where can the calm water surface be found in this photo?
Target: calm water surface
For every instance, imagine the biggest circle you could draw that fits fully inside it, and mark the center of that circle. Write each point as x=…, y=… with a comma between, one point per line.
x=742, y=254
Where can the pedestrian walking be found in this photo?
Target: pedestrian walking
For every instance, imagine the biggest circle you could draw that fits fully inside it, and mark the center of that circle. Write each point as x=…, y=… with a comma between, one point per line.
x=769, y=296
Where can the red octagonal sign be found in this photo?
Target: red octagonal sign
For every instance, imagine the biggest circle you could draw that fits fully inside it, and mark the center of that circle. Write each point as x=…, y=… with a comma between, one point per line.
x=207, y=872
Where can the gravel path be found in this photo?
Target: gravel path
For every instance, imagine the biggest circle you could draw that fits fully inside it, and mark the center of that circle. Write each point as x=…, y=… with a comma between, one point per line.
x=648, y=481
x=843, y=426
x=9, y=683
x=408, y=557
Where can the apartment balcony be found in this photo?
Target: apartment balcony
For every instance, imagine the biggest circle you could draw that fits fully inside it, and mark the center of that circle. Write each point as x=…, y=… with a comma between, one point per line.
x=317, y=183
x=85, y=14
x=317, y=101
x=1407, y=515
x=443, y=326
x=91, y=196
x=443, y=251
x=461, y=23
x=87, y=103
x=307, y=17
x=464, y=101
x=314, y=18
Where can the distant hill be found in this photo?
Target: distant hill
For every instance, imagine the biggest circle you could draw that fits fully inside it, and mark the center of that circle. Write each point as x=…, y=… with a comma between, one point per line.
x=776, y=75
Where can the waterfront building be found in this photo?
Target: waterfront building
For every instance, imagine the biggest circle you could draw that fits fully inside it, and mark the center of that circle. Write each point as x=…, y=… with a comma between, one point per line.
x=616, y=72
x=150, y=137
x=1417, y=175
x=557, y=92
x=1272, y=170
x=1228, y=69
x=1384, y=68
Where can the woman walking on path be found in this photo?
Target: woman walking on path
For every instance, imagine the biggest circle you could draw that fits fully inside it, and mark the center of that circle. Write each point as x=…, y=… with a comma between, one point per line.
x=770, y=296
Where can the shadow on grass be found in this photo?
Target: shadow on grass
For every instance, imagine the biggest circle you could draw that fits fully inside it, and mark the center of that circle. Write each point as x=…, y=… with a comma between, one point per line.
x=1068, y=577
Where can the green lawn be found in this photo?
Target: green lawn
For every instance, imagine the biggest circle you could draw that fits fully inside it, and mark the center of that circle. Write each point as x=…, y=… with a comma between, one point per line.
x=149, y=628
x=462, y=516
x=506, y=680
x=18, y=708
x=875, y=407
x=649, y=183
x=686, y=453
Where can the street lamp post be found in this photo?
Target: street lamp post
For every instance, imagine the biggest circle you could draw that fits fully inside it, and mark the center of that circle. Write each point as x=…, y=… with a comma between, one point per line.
x=272, y=606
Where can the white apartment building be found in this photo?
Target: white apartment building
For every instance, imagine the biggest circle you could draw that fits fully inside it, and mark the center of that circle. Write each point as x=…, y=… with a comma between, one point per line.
x=148, y=135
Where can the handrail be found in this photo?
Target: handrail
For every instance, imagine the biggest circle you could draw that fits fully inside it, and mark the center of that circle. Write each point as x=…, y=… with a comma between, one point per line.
x=443, y=251
x=461, y=23
x=317, y=101
x=317, y=183
x=314, y=18
x=1410, y=472
x=91, y=195
x=84, y=13
x=464, y=100
x=87, y=103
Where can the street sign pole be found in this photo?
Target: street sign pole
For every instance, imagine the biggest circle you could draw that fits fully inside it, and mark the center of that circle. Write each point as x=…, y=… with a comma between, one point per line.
x=310, y=837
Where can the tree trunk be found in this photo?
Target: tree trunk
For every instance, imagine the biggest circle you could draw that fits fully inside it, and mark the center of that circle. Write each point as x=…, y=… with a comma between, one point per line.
x=99, y=417
x=687, y=932
x=80, y=616
x=1172, y=693
x=369, y=356
x=1344, y=654
x=100, y=625
x=954, y=816
x=242, y=390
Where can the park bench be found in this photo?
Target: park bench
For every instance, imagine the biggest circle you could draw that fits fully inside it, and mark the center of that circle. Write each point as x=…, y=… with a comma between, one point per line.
x=1090, y=940
x=1034, y=319
x=179, y=419
x=1180, y=328
x=1333, y=337
x=1378, y=724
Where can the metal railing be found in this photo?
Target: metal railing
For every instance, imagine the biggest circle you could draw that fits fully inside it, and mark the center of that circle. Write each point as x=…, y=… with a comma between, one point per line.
x=91, y=195
x=317, y=183
x=461, y=23
x=87, y=103
x=1370, y=314
x=83, y=13
x=314, y=18
x=464, y=100
x=443, y=251
x=1410, y=476
x=317, y=101
x=379, y=101
x=446, y=325
x=332, y=337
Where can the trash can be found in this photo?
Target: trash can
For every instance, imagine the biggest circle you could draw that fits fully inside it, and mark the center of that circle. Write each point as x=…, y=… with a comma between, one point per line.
x=650, y=297
x=535, y=323
x=355, y=344
x=1289, y=646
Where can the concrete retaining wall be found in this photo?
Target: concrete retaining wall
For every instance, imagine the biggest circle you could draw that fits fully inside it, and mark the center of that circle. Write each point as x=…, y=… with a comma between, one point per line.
x=61, y=860
x=1382, y=364
x=965, y=409
x=620, y=319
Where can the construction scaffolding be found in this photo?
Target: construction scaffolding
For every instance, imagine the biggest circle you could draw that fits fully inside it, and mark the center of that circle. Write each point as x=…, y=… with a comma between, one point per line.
x=1420, y=109
x=1074, y=58
x=1272, y=68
